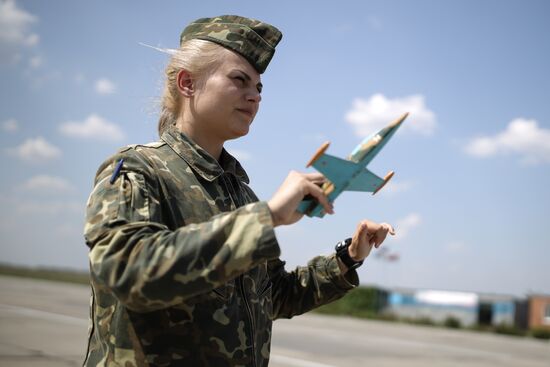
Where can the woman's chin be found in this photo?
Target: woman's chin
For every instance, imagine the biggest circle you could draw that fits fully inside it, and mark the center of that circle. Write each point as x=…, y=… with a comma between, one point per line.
x=240, y=131
x=238, y=135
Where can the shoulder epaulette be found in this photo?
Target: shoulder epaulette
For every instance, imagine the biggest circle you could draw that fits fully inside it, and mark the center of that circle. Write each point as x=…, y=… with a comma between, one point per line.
x=127, y=147
x=154, y=144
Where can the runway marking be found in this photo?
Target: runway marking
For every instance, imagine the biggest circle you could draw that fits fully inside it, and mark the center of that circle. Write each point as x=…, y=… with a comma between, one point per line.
x=31, y=312
x=44, y=315
x=383, y=340
x=297, y=362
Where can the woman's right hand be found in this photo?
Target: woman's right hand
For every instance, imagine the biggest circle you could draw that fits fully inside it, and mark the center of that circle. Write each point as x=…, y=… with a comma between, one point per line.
x=285, y=201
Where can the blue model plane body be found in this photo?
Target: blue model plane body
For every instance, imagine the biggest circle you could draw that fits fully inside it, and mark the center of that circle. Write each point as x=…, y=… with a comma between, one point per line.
x=350, y=174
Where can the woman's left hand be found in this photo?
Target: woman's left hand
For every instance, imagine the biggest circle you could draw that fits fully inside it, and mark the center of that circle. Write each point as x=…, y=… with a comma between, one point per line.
x=368, y=235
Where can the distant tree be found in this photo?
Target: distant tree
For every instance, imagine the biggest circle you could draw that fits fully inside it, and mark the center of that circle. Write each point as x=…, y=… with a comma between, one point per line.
x=540, y=333
x=452, y=322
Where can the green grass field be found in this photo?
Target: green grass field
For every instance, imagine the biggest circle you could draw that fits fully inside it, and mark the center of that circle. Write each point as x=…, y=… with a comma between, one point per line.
x=59, y=275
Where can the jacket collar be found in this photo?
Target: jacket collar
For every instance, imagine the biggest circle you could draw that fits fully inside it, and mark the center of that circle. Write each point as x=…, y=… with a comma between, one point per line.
x=200, y=160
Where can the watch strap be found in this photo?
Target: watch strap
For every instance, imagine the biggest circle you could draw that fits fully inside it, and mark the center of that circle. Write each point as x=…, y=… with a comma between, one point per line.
x=343, y=254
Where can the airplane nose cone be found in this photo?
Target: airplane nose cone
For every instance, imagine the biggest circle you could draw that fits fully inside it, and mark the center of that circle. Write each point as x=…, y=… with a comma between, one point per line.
x=393, y=126
x=400, y=120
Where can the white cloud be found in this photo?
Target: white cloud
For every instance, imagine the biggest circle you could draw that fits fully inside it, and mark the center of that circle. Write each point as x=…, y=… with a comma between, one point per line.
x=47, y=184
x=37, y=149
x=405, y=225
x=105, y=86
x=371, y=115
x=15, y=31
x=94, y=127
x=522, y=137
x=241, y=155
x=10, y=125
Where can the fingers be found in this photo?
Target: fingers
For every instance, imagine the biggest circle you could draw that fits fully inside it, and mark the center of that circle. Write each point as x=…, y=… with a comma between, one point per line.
x=296, y=186
x=368, y=235
x=361, y=233
x=317, y=192
x=380, y=236
x=382, y=232
x=373, y=233
x=314, y=177
x=389, y=228
x=364, y=236
x=313, y=183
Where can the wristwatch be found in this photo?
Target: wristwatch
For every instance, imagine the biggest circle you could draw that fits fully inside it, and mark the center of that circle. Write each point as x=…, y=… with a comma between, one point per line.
x=343, y=254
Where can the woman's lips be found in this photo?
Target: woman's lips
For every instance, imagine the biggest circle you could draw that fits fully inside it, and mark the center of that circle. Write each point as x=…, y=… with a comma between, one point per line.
x=245, y=111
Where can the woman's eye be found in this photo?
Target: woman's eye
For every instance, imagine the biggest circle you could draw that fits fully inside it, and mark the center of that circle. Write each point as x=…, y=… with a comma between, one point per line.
x=240, y=79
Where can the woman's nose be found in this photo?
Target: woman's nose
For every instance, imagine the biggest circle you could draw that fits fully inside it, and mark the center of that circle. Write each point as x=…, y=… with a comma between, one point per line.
x=254, y=96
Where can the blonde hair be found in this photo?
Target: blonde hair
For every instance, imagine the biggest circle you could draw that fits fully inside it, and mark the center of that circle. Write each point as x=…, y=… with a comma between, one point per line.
x=199, y=58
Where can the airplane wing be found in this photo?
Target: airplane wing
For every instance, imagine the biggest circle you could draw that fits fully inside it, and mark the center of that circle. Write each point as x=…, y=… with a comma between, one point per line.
x=365, y=181
x=340, y=172
x=337, y=170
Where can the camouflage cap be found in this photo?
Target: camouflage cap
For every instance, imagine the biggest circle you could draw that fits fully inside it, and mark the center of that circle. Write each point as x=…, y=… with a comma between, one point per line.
x=252, y=39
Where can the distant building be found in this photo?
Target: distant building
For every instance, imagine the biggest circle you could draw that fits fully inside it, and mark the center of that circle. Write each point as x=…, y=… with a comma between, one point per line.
x=496, y=309
x=538, y=311
x=467, y=307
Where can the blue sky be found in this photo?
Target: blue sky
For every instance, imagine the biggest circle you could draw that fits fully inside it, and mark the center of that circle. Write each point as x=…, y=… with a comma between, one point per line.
x=470, y=198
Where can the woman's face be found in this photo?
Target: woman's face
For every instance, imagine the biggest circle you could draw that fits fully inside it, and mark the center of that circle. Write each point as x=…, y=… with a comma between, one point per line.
x=226, y=102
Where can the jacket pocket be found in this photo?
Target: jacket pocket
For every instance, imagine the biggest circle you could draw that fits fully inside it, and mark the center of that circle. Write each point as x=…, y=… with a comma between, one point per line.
x=225, y=292
x=265, y=288
x=266, y=301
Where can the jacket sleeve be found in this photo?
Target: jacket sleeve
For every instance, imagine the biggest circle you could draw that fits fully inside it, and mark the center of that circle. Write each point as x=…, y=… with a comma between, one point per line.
x=308, y=287
x=149, y=267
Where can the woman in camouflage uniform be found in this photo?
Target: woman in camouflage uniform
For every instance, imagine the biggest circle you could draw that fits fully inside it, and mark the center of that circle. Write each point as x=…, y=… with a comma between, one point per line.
x=185, y=267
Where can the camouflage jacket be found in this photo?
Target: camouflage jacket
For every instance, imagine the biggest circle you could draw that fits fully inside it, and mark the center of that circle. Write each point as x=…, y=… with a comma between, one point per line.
x=184, y=262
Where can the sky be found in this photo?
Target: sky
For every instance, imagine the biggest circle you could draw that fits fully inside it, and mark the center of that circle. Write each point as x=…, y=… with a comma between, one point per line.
x=470, y=197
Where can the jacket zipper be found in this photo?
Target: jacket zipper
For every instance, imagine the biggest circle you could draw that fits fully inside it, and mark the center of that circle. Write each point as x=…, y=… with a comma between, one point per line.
x=251, y=320
x=233, y=195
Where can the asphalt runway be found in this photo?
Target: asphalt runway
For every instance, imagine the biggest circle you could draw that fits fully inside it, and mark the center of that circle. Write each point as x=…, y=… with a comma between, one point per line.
x=45, y=324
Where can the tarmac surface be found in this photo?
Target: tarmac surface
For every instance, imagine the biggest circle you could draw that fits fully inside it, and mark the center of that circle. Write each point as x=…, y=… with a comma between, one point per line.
x=45, y=324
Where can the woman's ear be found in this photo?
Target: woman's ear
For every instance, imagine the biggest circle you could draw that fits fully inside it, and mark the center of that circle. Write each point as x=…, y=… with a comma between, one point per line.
x=185, y=83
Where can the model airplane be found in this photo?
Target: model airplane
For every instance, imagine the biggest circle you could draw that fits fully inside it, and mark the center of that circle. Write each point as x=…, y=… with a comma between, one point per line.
x=350, y=174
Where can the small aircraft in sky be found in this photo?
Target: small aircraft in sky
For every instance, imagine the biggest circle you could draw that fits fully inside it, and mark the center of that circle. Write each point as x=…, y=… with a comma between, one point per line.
x=349, y=174
x=384, y=254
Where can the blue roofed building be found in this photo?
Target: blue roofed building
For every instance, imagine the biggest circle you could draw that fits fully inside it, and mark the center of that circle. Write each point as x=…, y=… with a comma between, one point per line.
x=468, y=308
